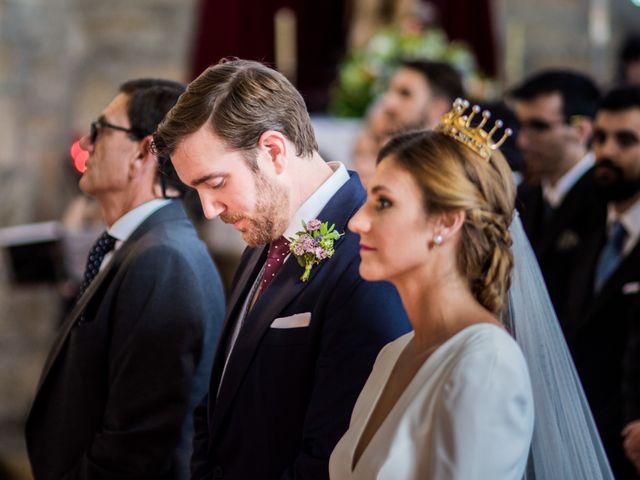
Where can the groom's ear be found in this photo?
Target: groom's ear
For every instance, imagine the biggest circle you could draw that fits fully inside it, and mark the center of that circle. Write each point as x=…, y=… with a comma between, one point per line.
x=274, y=144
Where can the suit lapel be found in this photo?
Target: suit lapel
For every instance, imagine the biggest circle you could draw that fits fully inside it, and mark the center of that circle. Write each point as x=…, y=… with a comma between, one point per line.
x=248, y=270
x=530, y=211
x=628, y=269
x=73, y=316
x=564, y=215
x=581, y=281
x=172, y=211
x=283, y=290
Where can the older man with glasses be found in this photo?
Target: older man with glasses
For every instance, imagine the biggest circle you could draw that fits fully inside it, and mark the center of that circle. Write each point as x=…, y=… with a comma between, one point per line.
x=133, y=357
x=555, y=111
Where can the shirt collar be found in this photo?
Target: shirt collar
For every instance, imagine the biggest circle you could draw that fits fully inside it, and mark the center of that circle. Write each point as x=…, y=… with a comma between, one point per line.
x=319, y=199
x=554, y=194
x=630, y=219
x=126, y=224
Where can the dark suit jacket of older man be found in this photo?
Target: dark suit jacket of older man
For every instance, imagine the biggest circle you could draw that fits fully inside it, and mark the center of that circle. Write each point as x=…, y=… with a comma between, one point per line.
x=116, y=395
x=287, y=394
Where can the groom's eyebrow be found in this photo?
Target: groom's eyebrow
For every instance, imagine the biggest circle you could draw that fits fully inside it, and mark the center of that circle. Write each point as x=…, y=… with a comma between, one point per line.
x=205, y=178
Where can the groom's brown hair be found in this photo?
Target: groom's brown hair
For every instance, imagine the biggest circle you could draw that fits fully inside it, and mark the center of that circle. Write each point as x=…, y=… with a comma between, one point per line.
x=239, y=100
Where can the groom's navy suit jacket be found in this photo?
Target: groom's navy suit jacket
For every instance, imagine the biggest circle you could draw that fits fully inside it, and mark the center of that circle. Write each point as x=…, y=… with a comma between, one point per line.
x=287, y=393
x=132, y=360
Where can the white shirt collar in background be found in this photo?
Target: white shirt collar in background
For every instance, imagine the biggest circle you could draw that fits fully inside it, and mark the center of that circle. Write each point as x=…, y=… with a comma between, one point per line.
x=554, y=194
x=631, y=222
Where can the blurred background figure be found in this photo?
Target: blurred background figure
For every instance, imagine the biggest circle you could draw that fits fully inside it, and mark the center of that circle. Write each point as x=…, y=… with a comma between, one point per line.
x=419, y=93
x=629, y=61
x=369, y=140
x=603, y=300
x=557, y=201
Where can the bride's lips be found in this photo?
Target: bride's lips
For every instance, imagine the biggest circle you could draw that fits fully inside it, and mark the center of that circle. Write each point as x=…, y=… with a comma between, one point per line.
x=366, y=248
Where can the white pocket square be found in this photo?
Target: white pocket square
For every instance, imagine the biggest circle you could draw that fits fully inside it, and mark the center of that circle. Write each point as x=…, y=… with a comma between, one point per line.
x=294, y=321
x=631, y=287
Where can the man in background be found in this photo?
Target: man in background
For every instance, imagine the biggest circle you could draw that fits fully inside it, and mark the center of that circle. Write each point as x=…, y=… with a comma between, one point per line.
x=419, y=93
x=557, y=200
x=604, y=298
x=133, y=357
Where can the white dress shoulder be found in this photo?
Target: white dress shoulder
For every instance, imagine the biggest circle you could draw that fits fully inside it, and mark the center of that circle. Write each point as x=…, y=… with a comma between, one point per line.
x=467, y=414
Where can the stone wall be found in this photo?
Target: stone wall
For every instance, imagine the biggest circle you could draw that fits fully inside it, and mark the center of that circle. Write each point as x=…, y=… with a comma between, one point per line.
x=61, y=62
x=563, y=33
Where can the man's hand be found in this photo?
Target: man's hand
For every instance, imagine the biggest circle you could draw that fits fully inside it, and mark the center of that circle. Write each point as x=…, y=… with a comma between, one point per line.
x=631, y=442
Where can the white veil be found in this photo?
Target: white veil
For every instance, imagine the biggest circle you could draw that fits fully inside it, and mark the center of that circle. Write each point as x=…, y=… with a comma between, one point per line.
x=565, y=443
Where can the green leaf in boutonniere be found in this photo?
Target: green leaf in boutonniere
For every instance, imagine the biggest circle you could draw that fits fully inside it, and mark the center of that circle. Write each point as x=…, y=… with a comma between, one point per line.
x=313, y=244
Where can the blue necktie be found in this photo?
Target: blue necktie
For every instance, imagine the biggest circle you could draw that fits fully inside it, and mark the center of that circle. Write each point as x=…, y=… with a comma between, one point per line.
x=103, y=245
x=610, y=255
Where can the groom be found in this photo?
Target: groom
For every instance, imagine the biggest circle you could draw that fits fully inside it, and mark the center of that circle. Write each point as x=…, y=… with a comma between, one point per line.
x=293, y=354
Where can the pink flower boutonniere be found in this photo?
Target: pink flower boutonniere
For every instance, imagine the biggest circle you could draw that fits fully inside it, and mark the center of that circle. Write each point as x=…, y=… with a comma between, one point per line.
x=313, y=244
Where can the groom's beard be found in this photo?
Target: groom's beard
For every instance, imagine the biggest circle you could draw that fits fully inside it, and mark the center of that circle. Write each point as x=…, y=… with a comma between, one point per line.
x=610, y=183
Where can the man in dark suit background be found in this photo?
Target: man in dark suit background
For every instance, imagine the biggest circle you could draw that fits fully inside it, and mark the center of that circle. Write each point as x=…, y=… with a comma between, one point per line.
x=133, y=358
x=604, y=295
x=294, y=354
x=555, y=111
x=418, y=94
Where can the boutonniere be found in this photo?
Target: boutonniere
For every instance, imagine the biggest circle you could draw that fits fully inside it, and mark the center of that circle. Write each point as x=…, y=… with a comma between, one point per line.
x=313, y=244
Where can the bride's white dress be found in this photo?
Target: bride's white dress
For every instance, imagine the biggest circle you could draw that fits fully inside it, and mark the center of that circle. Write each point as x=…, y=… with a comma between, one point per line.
x=467, y=414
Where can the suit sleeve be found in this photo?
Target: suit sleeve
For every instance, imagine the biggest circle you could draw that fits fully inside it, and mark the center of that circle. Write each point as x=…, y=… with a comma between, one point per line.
x=631, y=368
x=199, y=459
x=155, y=347
x=360, y=320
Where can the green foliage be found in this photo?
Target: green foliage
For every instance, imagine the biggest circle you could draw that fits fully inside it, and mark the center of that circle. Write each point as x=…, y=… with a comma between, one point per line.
x=364, y=74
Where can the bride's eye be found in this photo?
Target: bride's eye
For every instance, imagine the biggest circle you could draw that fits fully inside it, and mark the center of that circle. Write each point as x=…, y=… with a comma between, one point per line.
x=382, y=203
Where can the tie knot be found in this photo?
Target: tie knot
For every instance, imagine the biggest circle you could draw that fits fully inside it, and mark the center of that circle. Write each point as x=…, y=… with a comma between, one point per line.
x=103, y=245
x=279, y=248
x=618, y=235
x=105, y=239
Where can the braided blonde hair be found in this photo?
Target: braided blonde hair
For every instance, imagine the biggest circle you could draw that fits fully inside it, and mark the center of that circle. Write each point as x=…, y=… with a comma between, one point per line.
x=453, y=177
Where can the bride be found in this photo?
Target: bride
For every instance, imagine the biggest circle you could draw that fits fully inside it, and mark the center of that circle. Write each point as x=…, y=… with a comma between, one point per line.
x=454, y=399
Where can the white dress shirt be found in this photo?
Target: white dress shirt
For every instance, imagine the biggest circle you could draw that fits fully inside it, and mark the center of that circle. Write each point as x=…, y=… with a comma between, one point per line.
x=554, y=194
x=318, y=199
x=122, y=228
x=630, y=219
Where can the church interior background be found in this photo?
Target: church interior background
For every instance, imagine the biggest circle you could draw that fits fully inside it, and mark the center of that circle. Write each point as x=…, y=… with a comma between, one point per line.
x=62, y=60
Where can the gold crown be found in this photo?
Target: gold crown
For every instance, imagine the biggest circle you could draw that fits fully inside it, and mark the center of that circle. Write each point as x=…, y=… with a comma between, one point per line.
x=458, y=126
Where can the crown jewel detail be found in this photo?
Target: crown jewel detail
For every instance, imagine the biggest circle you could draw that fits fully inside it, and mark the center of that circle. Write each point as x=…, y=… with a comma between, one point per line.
x=457, y=125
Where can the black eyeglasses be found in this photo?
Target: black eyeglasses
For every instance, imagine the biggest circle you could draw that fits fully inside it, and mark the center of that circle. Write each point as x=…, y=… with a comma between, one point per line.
x=100, y=123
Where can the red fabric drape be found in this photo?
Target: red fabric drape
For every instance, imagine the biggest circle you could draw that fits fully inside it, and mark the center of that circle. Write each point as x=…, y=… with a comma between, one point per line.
x=472, y=22
x=245, y=29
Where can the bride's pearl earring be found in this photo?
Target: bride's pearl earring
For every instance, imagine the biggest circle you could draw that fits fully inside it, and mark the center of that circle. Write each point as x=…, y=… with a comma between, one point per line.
x=438, y=239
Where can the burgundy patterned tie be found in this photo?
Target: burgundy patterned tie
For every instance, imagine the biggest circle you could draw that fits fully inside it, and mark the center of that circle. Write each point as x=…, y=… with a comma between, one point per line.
x=278, y=251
